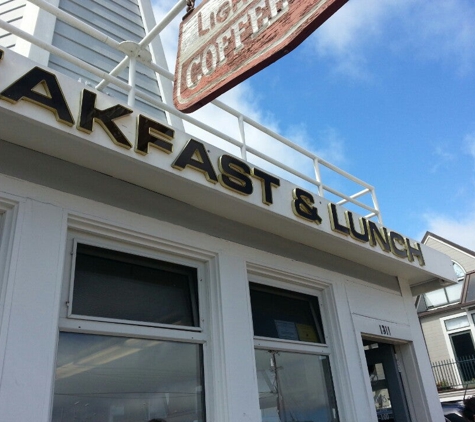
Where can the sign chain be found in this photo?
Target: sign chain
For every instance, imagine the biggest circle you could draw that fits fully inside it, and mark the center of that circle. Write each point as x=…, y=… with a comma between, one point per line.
x=190, y=6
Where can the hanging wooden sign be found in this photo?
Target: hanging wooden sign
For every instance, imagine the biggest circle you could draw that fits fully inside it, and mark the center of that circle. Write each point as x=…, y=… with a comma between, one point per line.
x=223, y=42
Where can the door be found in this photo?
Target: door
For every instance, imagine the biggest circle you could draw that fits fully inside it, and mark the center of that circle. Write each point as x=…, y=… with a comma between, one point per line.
x=464, y=354
x=386, y=384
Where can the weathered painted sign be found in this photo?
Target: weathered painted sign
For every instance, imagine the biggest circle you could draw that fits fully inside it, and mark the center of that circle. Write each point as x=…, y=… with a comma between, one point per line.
x=223, y=42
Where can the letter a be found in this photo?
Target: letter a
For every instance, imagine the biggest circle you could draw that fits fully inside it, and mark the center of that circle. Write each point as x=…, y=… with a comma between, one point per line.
x=53, y=100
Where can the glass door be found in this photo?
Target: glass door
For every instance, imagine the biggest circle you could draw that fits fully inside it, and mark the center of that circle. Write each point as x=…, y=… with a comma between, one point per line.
x=386, y=384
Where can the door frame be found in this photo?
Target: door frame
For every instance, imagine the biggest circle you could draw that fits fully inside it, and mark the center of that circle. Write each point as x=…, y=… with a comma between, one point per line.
x=386, y=354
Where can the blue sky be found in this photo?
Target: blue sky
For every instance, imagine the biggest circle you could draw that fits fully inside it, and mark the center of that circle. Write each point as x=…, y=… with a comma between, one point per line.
x=386, y=91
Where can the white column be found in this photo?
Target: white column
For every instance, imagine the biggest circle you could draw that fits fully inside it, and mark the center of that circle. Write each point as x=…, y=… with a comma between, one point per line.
x=29, y=360
x=420, y=379
x=238, y=342
x=348, y=360
x=40, y=24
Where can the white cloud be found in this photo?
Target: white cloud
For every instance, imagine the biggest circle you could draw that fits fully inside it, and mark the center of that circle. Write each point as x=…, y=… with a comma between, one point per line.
x=436, y=30
x=469, y=142
x=169, y=36
x=331, y=146
x=444, y=31
x=457, y=229
x=344, y=35
x=460, y=226
x=444, y=156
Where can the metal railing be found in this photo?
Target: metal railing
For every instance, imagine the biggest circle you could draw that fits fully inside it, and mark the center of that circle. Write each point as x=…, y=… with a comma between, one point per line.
x=363, y=201
x=454, y=374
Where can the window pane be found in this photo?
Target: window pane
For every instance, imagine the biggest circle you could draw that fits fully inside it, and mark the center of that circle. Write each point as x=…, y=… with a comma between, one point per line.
x=459, y=271
x=117, y=379
x=454, y=292
x=118, y=285
x=471, y=288
x=436, y=298
x=454, y=323
x=286, y=315
x=295, y=387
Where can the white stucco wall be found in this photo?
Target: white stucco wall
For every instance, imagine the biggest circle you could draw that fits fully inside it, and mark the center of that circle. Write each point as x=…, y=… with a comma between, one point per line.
x=33, y=280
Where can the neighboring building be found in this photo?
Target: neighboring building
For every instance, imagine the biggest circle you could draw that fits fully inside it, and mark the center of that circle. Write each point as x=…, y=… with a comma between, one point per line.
x=447, y=317
x=145, y=273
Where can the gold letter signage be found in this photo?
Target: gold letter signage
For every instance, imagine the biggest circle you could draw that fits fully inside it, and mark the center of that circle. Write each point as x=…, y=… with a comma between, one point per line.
x=223, y=42
x=43, y=89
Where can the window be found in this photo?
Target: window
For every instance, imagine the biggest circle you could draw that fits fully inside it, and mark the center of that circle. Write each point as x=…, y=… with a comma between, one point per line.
x=2, y=257
x=8, y=229
x=447, y=295
x=116, y=285
x=131, y=342
x=285, y=315
x=296, y=384
x=464, y=351
x=456, y=323
x=107, y=378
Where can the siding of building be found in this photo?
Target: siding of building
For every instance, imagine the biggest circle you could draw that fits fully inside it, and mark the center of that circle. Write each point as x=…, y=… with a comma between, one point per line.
x=435, y=339
x=120, y=20
x=11, y=11
x=466, y=260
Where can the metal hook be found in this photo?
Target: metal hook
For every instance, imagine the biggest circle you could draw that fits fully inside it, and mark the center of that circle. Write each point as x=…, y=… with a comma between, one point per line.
x=190, y=6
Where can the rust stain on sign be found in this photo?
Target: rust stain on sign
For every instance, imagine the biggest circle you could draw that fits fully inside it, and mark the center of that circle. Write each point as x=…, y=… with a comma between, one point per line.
x=223, y=42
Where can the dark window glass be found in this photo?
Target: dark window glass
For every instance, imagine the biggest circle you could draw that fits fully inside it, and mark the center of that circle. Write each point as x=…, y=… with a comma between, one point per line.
x=110, y=284
x=286, y=315
x=120, y=379
x=464, y=353
x=463, y=345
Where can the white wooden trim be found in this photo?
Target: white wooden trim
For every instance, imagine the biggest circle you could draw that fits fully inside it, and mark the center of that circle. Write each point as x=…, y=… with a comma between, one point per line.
x=40, y=24
x=301, y=282
x=156, y=48
x=34, y=305
x=11, y=214
x=114, y=237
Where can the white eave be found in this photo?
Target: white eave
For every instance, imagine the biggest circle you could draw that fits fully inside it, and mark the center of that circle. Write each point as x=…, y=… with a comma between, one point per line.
x=34, y=127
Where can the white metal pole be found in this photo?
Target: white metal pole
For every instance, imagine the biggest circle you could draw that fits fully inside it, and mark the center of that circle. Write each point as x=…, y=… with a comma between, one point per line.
x=132, y=79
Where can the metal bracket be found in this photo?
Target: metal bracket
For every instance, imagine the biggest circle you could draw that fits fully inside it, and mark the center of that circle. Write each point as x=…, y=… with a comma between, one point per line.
x=133, y=49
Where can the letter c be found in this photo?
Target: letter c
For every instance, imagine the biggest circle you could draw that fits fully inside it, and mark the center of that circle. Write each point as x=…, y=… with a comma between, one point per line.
x=189, y=73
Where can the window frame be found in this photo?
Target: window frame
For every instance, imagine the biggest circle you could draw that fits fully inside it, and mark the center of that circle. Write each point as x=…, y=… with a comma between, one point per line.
x=452, y=318
x=91, y=325
x=294, y=284
x=135, y=243
x=11, y=214
x=162, y=257
x=262, y=342
x=459, y=284
x=290, y=285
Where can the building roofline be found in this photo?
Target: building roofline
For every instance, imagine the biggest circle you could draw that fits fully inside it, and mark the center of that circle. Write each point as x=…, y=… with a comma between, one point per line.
x=441, y=310
x=448, y=242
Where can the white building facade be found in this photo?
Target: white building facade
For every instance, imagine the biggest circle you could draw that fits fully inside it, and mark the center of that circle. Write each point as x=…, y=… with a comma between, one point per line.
x=448, y=321
x=147, y=274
